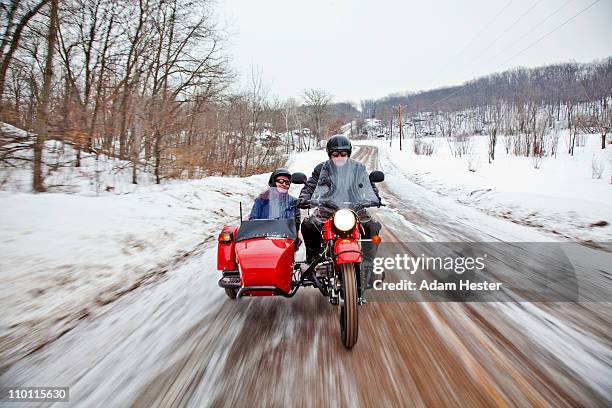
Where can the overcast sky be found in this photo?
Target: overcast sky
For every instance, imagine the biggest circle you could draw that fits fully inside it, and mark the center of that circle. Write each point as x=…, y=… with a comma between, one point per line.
x=357, y=49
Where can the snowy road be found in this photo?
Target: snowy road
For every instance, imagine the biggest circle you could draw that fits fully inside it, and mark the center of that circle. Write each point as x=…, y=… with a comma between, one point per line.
x=181, y=342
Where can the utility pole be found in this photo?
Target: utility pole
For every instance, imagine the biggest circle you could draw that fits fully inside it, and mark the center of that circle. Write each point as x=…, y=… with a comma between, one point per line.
x=391, y=133
x=399, y=118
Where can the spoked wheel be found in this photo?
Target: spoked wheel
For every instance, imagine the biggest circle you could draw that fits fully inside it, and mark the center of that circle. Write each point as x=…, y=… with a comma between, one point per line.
x=231, y=292
x=349, y=319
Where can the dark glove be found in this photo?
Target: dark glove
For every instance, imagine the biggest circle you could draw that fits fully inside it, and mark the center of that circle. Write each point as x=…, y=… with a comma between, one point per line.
x=301, y=203
x=330, y=205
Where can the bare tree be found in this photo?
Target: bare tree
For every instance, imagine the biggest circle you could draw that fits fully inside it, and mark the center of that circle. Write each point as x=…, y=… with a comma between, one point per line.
x=14, y=19
x=317, y=101
x=289, y=107
x=493, y=124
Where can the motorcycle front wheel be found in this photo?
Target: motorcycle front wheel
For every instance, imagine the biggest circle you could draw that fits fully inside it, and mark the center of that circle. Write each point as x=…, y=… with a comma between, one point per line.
x=349, y=318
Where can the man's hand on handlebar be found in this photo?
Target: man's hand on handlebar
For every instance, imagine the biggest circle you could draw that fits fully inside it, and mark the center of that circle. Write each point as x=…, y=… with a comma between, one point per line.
x=329, y=205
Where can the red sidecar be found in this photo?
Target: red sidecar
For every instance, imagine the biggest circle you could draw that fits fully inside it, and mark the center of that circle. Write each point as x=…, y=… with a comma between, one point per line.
x=257, y=258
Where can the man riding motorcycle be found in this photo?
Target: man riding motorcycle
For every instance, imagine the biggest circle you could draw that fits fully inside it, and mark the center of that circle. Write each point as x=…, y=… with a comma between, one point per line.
x=339, y=150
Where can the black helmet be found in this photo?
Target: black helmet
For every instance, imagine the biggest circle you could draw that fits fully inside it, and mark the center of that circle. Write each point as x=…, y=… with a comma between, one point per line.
x=276, y=173
x=338, y=143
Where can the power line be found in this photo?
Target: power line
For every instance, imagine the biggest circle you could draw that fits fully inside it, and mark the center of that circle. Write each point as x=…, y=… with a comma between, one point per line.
x=518, y=20
x=499, y=13
x=494, y=41
x=484, y=28
x=521, y=51
x=550, y=32
x=534, y=27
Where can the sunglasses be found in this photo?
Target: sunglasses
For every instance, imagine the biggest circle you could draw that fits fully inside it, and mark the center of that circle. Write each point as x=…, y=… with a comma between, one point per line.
x=282, y=181
x=339, y=154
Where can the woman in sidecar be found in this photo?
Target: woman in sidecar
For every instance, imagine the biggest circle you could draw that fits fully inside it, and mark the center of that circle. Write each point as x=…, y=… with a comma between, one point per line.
x=257, y=258
x=276, y=202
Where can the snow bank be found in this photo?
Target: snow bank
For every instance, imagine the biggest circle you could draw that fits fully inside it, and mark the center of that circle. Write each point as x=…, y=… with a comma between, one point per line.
x=64, y=256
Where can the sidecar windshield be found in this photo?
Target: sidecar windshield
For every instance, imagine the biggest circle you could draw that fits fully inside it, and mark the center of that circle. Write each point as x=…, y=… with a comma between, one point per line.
x=284, y=228
x=344, y=186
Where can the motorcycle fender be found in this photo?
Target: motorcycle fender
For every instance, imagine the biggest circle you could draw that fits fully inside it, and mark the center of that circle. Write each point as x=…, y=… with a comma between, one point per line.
x=226, y=255
x=347, y=251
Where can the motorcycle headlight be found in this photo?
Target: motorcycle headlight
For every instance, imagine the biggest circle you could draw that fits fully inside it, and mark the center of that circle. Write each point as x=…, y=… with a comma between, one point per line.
x=344, y=220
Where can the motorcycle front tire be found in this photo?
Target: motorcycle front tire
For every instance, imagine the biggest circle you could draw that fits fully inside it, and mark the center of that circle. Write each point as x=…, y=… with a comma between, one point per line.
x=349, y=316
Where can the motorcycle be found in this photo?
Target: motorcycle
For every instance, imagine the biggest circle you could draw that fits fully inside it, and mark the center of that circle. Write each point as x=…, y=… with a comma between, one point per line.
x=257, y=257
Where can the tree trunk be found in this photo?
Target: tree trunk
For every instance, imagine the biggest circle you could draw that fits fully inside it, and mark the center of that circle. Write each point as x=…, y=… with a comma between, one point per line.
x=572, y=137
x=492, y=144
x=157, y=157
x=135, y=154
x=43, y=110
x=37, y=176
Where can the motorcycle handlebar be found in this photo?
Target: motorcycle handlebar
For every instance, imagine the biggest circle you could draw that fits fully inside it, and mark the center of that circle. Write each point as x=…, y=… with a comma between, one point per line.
x=306, y=204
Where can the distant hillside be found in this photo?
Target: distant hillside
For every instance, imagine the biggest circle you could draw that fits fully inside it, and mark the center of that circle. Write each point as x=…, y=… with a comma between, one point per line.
x=549, y=84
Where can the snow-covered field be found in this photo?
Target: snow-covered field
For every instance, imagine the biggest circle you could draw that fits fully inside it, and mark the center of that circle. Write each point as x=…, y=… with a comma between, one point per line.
x=561, y=197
